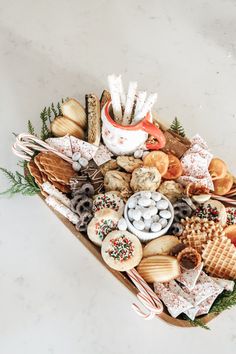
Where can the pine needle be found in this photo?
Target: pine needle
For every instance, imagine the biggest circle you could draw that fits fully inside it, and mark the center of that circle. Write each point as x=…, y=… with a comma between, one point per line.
x=177, y=128
x=31, y=129
x=19, y=183
x=225, y=301
x=196, y=323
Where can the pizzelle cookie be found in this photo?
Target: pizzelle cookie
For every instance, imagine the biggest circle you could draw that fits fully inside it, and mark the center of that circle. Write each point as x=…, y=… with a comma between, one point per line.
x=102, y=223
x=108, y=200
x=121, y=250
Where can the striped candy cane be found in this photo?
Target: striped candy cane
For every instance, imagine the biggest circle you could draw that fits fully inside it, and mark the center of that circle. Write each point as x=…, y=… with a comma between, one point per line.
x=146, y=296
x=26, y=145
x=224, y=199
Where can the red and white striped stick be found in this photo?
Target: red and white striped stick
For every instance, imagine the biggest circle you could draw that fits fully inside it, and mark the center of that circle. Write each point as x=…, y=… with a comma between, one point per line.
x=146, y=296
x=26, y=145
x=224, y=199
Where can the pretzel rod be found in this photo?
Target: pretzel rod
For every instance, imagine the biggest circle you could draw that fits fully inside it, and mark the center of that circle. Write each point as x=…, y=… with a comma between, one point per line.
x=121, y=90
x=62, y=209
x=147, y=106
x=129, y=102
x=146, y=296
x=26, y=145
x=141, y=97
x=224, y=199
x=54, y=192
x=115, y=98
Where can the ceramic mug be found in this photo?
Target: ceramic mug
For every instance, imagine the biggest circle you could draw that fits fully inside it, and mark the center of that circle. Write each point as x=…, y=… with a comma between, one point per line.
x=125, y=140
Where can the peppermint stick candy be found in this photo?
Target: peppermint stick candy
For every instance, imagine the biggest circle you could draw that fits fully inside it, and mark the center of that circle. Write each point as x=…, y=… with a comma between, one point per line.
x=129, y=103
x=121, y=90
x=115, y=97
x=54, y=192
x=146, y=295
x=62, y=209
x=141, y=97
x=147, y=106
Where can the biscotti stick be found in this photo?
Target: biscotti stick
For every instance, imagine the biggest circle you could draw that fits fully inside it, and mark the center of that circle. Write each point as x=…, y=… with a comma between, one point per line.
x=115, y=98
x=94, y=119
x=141, y=97
x=147, y=106
x=62, y=209
x=54, y=192
x=129, y=103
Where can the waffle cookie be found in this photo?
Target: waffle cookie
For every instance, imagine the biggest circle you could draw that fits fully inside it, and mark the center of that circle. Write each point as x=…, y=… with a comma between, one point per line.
x=219, y=258
x=198, y=231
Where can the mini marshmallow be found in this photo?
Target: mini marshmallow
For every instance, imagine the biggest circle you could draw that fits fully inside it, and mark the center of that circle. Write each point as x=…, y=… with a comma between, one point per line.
x=156, y=226
x=144, y=201
x=166, y=214
x=163, y=222
x=145, y=153
x=76, y=166
x=76, y=156
x=162, y=204
x=122, y=224
x=137, y=214
x=83, y=161
x=156, y=196
x=139, y=225
x=138, y=154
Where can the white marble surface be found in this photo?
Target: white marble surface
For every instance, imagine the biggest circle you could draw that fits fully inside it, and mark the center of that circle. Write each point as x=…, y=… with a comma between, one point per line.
x=55, y=297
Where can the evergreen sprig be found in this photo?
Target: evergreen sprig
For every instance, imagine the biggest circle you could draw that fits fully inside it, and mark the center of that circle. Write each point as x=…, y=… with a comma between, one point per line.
x=19, y=183
x=31, y=129
x=224, y=301
x=177, y=128
x=198, y=323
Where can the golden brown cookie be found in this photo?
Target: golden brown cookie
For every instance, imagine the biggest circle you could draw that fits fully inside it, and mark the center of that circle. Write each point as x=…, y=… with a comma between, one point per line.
x=129, y=163
x=145, y=179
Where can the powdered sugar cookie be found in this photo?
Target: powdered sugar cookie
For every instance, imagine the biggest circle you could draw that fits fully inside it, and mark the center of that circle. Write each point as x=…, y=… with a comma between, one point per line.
x=108, y=200
x=102, y=223
x=121, y=250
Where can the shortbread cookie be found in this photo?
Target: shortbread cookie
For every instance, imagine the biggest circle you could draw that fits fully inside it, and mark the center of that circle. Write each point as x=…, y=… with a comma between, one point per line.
x=129, y=163
x=121, y=250
x=108, y=200
x=161, y=245
x=94, y=119
x=103, y=222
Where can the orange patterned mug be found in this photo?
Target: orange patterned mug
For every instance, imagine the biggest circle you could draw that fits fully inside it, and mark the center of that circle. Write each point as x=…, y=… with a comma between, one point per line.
x=125, y=140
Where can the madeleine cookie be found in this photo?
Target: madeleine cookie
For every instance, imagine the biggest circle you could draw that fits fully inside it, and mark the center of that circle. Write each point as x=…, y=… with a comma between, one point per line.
x=108, y=200
x=161, y=245
x=102, y=223
x=61, y=126
x=121, y=250
x=73, y=110
x=94, y=119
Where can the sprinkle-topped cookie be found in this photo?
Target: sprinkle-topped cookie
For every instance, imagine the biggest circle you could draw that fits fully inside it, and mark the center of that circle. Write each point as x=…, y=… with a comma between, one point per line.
x=231, y=215
x=108, y=200
x=213, y=210
x=121, y=250
x=103, y=222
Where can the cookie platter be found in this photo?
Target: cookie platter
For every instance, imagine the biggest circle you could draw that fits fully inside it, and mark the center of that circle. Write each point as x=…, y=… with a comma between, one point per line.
x=157, y=209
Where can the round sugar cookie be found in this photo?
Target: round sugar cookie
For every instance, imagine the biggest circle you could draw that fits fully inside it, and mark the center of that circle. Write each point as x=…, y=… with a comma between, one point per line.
x=121, y=250
x=101, y=224
x=108, y=200
x=215, y=209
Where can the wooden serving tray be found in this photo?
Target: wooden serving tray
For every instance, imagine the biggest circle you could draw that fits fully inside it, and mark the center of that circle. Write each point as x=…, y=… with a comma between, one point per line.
x=119, y=275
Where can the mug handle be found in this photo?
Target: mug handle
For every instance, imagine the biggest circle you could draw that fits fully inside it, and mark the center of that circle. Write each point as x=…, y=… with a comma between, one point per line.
x=151, y=129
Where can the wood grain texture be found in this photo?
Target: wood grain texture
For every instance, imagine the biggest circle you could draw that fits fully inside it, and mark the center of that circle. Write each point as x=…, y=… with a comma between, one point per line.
x=119, y=275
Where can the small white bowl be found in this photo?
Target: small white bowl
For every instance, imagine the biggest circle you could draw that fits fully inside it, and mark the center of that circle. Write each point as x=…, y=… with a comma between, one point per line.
x=143, y=235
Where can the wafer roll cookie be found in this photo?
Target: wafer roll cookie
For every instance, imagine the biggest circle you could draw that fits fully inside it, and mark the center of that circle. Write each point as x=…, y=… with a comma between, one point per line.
x=62, y=209
x=115, y=98
x=147, y=106
x=129, y=103
x=141, y=97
